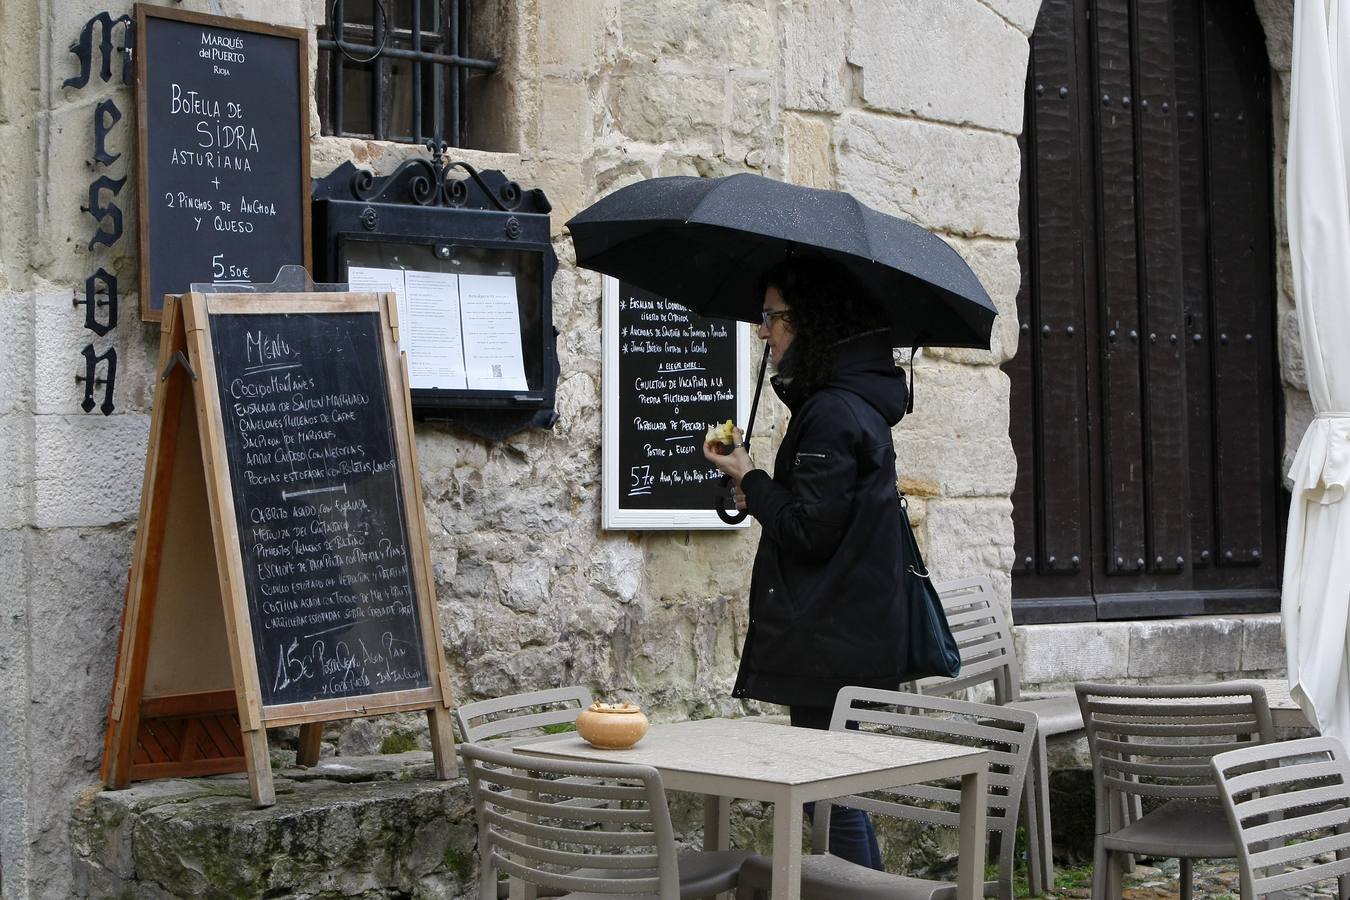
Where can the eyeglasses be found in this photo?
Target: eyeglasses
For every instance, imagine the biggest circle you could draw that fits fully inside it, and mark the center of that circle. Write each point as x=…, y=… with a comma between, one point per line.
x=767, y=316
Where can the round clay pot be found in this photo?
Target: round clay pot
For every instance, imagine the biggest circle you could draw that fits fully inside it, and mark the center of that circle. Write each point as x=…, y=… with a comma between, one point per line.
x=612, y=726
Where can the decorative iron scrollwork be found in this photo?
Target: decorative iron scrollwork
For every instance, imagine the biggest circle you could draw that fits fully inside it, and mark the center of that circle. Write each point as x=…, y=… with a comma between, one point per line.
x=427, y=182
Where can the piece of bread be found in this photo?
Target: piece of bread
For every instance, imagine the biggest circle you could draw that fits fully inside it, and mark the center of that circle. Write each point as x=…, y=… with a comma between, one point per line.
x=723, y=435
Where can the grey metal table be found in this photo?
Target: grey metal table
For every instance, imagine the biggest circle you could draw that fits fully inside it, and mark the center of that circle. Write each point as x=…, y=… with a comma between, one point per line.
x=727, y=758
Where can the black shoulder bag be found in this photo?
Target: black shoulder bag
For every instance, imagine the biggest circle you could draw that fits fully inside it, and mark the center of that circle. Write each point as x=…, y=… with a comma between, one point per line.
x=932, y=649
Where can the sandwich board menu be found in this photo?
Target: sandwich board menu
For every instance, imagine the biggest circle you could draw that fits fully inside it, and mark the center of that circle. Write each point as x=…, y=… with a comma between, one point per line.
x=281, y=566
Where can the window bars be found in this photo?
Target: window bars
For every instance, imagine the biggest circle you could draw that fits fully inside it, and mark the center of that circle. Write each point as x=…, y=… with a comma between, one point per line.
x=396, y=69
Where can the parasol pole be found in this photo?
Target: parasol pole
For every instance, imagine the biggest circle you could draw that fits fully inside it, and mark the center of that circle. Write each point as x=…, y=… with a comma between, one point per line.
x=739, y=516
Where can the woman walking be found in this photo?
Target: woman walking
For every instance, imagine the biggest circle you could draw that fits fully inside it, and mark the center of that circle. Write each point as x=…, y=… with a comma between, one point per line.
x=827, y=605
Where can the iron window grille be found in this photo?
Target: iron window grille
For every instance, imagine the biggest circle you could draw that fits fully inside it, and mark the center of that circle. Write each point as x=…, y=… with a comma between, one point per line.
x=396, y=69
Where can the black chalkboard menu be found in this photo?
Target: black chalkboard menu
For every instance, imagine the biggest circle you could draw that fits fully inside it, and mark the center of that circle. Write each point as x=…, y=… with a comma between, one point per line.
x=669, y=375
x=223, y=147
x=320, y=514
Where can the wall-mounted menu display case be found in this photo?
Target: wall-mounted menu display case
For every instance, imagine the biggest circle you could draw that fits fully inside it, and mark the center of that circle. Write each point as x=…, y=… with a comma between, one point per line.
x=472, y=266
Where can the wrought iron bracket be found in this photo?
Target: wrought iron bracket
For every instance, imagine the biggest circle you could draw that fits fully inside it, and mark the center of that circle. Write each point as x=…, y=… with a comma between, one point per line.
x=178, y=360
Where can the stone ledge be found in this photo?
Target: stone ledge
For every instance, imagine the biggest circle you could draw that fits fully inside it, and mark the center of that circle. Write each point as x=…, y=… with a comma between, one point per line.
x=371, y=827
x=1205, y=648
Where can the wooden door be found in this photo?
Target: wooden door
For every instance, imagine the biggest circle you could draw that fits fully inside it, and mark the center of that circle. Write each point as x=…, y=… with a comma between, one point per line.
x=1145, y=395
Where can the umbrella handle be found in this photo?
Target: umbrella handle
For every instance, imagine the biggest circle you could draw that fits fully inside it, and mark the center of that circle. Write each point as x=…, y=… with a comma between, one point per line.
x=737, y=518
x=731, y=518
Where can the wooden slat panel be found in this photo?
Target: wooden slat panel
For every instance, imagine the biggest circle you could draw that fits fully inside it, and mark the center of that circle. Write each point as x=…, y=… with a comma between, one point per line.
x=1122, y=437
x=174, y=705
x=224, y=736
x=175, y=769
x=1240, y=273
x=1058, y=326
x=1194, y=244
x=160, y=738
x=1167, y=465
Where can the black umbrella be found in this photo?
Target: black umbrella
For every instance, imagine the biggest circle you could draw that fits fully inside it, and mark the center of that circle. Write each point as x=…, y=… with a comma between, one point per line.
x=705, y=242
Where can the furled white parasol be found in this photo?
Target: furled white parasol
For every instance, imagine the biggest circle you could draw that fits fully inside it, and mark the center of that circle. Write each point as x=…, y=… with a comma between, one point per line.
x=1316, y=591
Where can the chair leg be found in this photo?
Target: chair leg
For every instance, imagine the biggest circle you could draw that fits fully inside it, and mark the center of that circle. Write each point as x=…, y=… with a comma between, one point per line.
x=1099, y=862
x=1186, y=886
x=1031, y=818
x=1040, y=764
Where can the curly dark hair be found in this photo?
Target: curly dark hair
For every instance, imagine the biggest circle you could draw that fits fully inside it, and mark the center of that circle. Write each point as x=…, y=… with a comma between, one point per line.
x=827, y=305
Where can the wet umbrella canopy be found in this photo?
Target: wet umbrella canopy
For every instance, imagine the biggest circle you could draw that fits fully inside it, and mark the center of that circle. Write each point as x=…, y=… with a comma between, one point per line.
x=704, y=243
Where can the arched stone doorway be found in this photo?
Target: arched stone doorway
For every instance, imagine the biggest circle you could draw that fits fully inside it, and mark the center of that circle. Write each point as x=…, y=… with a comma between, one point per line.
x=1146, y=407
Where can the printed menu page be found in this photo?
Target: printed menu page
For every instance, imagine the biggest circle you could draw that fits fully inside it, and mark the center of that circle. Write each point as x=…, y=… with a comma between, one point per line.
x=461, y=332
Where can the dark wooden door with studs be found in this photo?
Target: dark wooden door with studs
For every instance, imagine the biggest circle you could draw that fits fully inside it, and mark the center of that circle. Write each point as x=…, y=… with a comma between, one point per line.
x=1146, y=404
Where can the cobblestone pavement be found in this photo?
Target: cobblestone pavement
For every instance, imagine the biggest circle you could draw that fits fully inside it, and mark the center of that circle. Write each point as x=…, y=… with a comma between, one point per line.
x=1217, y=880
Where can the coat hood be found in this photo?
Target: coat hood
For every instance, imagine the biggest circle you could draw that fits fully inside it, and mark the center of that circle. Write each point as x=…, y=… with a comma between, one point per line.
x=866, y=366
x=863, y=365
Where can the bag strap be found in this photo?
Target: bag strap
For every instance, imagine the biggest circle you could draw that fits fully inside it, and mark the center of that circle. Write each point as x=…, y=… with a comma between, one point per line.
x=909, y=529
x=899, y=494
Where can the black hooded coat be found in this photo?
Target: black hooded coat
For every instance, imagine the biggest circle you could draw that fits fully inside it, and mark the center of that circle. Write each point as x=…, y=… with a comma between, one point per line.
x=827, y=601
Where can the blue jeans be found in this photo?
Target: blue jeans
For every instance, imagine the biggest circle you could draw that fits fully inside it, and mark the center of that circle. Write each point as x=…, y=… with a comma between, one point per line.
x=852, y=836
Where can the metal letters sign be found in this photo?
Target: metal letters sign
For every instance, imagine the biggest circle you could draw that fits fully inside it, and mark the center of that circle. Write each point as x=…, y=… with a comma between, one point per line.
x=100, y=288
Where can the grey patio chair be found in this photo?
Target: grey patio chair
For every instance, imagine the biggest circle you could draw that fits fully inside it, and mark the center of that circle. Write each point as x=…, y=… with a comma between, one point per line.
x=531, y=827
x=522, y=717
x=1288, y=805
x=1155, y=743
x=985, y=641
x=1006, y=733
x=533, y=716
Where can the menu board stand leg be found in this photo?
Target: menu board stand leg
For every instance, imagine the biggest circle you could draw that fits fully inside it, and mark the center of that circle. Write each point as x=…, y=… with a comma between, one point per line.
x=442, y=743
x=311, y=738
x=259, y=767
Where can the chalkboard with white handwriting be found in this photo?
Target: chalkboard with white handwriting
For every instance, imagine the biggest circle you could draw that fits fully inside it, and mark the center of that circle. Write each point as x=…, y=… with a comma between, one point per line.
x=670, y=374
x=223, y=140
x=322, y=520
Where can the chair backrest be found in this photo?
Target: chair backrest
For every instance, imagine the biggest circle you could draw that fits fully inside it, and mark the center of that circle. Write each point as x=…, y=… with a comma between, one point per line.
x=1156, y=741
x=537, y=823
x=1288, y=804
x=519, y=717
x=983, y=637
x=1007, y=734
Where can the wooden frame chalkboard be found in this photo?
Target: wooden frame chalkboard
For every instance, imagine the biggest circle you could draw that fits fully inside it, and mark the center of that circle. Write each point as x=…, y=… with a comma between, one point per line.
x=222, y=146
x=269, y=403
x=678, y=373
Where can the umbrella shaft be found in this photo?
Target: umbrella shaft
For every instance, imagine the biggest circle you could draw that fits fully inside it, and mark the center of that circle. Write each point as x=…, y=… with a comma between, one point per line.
x=754, y=404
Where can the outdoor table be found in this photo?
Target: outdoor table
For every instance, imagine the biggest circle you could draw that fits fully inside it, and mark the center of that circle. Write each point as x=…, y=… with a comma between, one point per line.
x=786, y=766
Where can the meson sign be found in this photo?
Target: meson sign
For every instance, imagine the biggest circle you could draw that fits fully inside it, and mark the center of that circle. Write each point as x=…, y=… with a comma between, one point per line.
x=100, y=288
